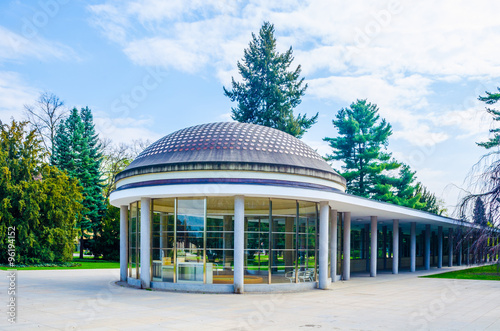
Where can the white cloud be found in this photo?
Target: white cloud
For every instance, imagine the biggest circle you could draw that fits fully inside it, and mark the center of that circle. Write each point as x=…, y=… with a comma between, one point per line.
x=449, y=38
x=398, y=99
x=14, y=46
x=226, y=117
x=320, y=146
x=421, y=135
x=391, y=55
x=14, y=94
x=166, y=53
x=470, y=122
x=124, y=129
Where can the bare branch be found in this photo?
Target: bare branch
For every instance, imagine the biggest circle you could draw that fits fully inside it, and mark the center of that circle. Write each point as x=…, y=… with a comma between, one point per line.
x=45, y=116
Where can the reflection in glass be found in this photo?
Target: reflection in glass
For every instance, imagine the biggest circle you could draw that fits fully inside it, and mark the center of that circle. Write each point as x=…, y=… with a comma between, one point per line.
x=191, y=215
x=220, y=239
x=134, y=246
x=256, y=259
x=283, y=264
x=192, y=240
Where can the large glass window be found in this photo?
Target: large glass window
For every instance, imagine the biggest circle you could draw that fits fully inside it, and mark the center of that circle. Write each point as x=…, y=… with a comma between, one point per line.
x=134, y=232
x=307, y=241
x=283, y=250
x=162, y=245
x=220, y=240
x=192, y=240
x=284, y=237
x=256, y=259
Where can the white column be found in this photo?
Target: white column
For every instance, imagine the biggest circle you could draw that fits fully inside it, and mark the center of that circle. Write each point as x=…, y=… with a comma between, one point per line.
x=239, y=243
x=427, y=247
x=440, y=246
x=333, y=244
x=323, y=244
x=123, y=242
x=373, y=246
x=450, y=248
x=346, y=261
x=395, y=246
x=145, y=242
x=413, y=246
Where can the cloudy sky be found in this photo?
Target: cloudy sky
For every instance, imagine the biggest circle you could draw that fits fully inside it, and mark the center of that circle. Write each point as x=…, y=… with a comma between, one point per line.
x=147, y=68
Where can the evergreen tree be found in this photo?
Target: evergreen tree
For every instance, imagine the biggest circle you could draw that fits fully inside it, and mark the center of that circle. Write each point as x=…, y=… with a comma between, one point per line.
x=400, y=190
x=432, y=204
x=38, y=200
x=269, y=91
x=479, y=213
x=77, y=151
x=360, y=146
x=490, y=99
x=107, y=243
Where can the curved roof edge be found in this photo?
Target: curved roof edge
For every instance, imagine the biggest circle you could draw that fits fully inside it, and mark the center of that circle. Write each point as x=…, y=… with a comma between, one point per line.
x=233, y=166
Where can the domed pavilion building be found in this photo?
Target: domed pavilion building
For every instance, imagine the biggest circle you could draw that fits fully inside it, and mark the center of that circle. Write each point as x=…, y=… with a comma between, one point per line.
x=236, y=207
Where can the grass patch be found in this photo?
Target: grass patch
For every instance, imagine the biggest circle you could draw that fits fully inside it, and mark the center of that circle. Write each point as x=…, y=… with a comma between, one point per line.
x=488, y=272
x=76, y=264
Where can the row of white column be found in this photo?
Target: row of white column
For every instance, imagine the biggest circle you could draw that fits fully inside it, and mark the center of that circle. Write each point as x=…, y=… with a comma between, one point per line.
x=328, y=225
x=346, y=263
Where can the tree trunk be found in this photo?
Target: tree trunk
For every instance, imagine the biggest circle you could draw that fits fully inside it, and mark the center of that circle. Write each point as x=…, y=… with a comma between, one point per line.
x=81, y=246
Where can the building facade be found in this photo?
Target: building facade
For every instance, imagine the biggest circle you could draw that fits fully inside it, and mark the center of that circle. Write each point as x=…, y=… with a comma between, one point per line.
x=235, y=207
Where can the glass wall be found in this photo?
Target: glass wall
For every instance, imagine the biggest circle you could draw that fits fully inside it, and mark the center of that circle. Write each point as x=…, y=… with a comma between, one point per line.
x=190, y=243
x=192, y=240
x=162, y=244
x=220, y=240
x=257, y=237
x=283, y=250
x=308, y=237
x=134, y=240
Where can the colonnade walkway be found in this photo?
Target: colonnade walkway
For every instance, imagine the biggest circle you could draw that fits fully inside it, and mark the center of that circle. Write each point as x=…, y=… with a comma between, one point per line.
x=91, y=300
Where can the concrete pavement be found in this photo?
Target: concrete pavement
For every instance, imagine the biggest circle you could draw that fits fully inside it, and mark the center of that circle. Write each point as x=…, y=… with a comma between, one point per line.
x=90, y=300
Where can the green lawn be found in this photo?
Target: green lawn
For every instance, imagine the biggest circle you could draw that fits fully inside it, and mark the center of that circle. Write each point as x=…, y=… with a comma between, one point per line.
x=488, y=272
x=79, y=264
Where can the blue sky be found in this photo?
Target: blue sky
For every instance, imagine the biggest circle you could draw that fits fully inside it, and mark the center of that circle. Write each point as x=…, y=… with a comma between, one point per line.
x=148, y=68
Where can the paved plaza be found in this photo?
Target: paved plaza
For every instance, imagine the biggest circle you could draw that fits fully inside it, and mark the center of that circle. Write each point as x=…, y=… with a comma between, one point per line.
x=90, y=300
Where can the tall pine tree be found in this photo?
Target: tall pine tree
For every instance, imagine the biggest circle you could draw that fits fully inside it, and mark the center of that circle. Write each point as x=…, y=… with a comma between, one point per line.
x=490, y=99
x=400, y=190
x=360, y=145
x=77, y=151
x=269, y=91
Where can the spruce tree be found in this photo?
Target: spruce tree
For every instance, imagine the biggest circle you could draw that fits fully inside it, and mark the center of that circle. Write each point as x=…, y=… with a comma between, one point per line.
x=77, y=151
x=269, y=91
x=432, y=203
x=490, y=99
x=479, y=213
x=360, y=145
